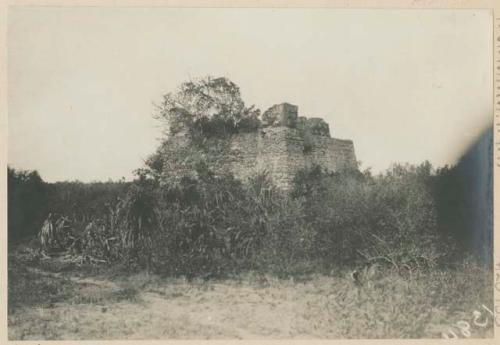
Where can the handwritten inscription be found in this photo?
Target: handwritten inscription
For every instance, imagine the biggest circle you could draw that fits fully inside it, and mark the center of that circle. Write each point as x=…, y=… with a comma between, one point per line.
x=480, y=318
x=463, y=328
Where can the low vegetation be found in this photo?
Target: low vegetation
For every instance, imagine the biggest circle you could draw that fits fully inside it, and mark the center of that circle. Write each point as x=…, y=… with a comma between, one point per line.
x=55, y=299
x=213, y=226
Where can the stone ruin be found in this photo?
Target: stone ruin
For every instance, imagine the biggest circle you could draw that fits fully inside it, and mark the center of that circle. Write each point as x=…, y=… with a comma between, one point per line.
x=284, y=144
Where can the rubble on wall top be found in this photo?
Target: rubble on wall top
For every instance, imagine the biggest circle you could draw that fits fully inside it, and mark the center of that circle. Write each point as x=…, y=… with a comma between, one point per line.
x=286, y=115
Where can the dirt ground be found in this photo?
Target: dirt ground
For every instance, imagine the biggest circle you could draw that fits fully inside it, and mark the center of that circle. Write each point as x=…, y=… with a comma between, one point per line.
x=58, y=302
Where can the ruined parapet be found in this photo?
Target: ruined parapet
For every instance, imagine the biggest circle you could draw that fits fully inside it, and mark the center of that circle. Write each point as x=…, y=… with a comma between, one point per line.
x=284, y=114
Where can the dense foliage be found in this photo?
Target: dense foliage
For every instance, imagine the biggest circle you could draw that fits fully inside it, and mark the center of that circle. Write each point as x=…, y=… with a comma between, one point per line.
x=212, y=225
x=390, y=218
x=27, y=197
x=210, y=106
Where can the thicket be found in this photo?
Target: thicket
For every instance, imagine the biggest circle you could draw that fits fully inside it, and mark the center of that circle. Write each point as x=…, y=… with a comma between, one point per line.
x=215, y=225
x=390, y=218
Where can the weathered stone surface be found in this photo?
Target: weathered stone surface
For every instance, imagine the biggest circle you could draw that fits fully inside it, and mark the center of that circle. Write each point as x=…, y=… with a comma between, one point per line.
x=283, y=114
x=281, y=150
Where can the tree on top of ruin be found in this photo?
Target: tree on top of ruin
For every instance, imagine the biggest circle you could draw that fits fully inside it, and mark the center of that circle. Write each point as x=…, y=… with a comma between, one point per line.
x=209, y=106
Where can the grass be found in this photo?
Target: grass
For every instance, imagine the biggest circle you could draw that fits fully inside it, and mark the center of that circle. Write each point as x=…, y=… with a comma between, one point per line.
x=44, y=304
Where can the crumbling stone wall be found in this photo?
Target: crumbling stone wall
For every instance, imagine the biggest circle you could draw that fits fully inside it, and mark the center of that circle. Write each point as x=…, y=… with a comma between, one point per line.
x=283, y=114
x=269, y=149
x=281, y=152
x=284, y=144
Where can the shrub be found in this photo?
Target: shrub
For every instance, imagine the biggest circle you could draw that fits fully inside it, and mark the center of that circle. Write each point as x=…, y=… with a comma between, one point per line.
x=390, y=218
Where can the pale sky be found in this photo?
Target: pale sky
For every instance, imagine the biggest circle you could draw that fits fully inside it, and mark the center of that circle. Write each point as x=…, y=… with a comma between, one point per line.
x=404, y=85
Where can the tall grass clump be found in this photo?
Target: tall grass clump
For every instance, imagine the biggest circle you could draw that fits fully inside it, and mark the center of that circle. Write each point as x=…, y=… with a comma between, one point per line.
x=216, y=225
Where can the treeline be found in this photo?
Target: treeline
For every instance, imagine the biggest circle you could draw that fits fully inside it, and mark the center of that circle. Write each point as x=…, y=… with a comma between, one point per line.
x=30, y=200
x=26, y=203
x=215, y=225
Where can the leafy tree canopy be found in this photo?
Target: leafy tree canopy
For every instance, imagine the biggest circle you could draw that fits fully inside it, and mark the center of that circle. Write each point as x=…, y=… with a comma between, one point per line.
x=210, y=106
